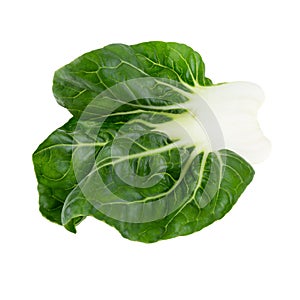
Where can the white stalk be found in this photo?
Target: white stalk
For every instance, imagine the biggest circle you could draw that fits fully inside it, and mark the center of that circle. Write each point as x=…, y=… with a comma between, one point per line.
x=219, y=117
x=235, y=106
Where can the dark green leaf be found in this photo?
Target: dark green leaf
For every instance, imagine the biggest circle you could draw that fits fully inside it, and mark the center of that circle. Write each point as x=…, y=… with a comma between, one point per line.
x=134, y=154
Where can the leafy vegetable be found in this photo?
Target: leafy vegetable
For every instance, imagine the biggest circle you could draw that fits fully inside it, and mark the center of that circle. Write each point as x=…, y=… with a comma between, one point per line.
x=152, y=146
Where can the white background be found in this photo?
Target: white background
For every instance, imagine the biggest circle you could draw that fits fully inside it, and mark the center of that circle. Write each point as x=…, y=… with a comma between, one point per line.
x=253, y=253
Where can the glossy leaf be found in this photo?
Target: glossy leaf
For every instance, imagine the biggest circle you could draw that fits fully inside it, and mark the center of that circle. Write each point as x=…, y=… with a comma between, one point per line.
x=144, y=150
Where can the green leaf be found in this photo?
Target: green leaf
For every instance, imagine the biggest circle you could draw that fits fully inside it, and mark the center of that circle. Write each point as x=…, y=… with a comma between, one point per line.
x=144, y=151
x=54, y=169
x=78, y=83
x=224, y=178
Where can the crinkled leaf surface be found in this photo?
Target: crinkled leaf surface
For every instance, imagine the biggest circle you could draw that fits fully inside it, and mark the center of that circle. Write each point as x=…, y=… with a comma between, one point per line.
x=122, y=157
x=78, y=83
